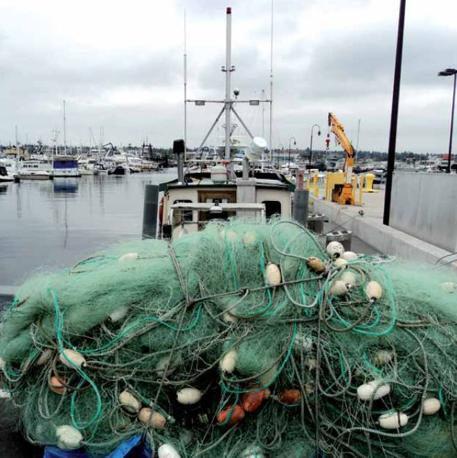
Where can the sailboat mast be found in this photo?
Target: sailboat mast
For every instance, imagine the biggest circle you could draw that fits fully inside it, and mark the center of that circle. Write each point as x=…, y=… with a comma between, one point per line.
x=228, y=71
x=64, y=130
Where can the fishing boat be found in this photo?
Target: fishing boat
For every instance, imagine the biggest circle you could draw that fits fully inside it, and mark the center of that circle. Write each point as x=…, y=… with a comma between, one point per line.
x=231, y=183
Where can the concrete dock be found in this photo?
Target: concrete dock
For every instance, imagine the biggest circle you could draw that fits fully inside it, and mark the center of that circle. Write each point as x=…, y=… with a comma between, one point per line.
x=365, y=222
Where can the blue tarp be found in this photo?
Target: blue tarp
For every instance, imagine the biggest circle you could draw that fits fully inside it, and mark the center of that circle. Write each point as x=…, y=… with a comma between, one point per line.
x=130, y=448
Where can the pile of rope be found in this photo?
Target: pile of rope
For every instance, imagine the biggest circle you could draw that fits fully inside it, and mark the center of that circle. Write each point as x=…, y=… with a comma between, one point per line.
x=243, y=340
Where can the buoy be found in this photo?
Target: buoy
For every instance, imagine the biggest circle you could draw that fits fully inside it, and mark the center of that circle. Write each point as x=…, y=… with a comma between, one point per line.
x=349, y=255
x=272, y=275
x=151, y=418
x=128, y=257
x=168, y=364
x=430, y=406
x=228, y=362
x=340, y=263
x=348, y=278
x=56, y=385
x=291, y=396
x=373, y=290
x=383, y=357
x=311, y=363
x=249, y=238
x=72, y=359
x=315, y=264
x=302, y=342
x=167, y=451
x=44, y=357
x=236, y=415
x=393, y=420
x=250, y=402
x=68, y=437
x=129, y=402
x=228, y=318
x=119, y=314
x=449, y=287
x=375, y=389
x=335, y=249
x=189, y=396
x=338, y=288
x=253, y=451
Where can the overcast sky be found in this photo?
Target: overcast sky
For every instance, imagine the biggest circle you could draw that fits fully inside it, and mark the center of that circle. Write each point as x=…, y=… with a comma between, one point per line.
x=119, y=65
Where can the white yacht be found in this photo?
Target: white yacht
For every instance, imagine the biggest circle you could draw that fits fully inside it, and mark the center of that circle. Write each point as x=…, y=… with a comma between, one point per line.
x=35, y=170
x=8, y=169
x=88, y=166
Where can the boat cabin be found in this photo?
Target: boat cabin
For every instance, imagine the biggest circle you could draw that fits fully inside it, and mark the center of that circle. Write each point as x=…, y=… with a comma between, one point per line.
x=188, y=205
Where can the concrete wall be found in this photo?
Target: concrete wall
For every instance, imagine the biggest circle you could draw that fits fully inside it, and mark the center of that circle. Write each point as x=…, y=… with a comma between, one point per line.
x=425, y=205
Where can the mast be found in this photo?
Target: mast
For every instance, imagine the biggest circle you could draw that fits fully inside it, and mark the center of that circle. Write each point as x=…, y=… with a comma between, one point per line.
x=16, y=141
x=64, y=130
x=228, y=70
x=271, y=85
x=185, y=86
x=263, y=114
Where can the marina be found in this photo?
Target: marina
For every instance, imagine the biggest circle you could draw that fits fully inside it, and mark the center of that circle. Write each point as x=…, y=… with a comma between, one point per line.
x=224, y=295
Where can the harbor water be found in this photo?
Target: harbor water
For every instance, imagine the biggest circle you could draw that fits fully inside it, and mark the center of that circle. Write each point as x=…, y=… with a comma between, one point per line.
x=46, y=225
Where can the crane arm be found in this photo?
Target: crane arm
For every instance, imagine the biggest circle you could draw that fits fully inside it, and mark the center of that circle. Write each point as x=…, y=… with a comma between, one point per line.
x=338, y=130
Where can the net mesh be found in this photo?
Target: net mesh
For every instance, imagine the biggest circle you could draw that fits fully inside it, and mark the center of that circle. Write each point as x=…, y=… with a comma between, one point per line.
x=166, y=316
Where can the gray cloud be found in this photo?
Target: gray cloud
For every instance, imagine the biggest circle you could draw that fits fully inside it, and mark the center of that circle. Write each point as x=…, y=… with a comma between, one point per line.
x=348, y=70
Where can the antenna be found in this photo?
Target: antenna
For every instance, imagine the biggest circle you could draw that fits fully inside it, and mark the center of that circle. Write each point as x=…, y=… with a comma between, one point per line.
x=228, y=103
x=271, y=84
x=185, y=85
x=263, y=114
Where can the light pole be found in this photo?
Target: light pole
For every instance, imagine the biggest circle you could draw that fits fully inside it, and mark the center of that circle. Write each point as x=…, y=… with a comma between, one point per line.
x=295, y=144
x=394, y=113
x=450, y=72
x=311, y=142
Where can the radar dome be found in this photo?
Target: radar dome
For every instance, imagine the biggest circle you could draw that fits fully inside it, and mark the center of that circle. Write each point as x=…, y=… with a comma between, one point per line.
x=257, y=148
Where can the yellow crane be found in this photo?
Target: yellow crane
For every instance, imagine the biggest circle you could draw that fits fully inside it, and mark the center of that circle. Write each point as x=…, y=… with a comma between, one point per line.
x=342, y=193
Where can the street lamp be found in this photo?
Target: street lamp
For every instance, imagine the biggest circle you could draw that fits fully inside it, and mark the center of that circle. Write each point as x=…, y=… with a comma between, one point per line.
x=295, y=144
x=311, y=142
x=450, y=72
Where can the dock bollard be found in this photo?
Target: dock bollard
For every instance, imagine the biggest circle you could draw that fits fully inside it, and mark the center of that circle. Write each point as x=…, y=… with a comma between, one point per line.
x=151, y=203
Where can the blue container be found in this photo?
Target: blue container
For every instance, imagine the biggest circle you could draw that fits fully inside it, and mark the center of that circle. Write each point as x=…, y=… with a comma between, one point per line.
x=130, y=448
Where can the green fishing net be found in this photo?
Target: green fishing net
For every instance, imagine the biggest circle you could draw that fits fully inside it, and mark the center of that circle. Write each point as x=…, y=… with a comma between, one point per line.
x=307, y=364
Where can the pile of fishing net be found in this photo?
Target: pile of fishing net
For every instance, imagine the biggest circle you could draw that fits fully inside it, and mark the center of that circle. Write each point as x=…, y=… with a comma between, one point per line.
x=243, y=340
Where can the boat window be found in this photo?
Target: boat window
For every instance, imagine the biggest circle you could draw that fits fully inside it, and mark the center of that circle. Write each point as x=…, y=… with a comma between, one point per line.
x=182, y=215
x=272, y=207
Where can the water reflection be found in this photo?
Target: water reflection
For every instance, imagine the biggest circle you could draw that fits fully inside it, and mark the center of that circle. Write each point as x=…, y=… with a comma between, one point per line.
x=66, y=185
x=52, y=224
